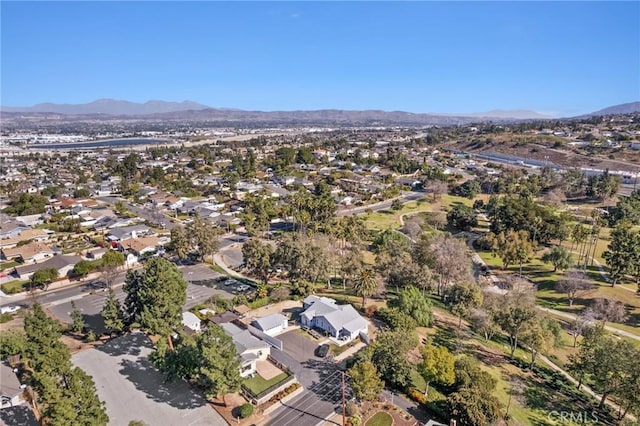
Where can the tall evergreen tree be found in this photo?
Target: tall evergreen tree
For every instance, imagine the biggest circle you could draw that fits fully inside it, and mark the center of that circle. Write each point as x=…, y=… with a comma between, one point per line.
x=219, y=370
x=112, y=314
x=157, y=295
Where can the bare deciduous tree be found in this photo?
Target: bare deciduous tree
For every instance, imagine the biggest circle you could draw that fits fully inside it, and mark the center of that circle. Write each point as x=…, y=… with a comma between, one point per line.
x=574, y=284
x=580, y=324
x=607, y=310
x=436, y=188
x=446, y=256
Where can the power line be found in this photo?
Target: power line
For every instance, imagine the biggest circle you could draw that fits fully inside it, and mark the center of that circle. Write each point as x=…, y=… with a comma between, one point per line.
x=325, y=383
x=330, y=394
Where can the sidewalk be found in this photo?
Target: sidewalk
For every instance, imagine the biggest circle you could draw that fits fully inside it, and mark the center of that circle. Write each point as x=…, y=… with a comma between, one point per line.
x=584, y=387
x=573, y=317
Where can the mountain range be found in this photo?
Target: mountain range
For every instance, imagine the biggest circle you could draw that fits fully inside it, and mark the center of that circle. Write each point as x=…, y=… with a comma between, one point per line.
x=111, y=107
x=188, y=110
x=629, y=108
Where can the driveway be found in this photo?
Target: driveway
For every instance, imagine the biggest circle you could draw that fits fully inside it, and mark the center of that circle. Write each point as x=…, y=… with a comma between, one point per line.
x=133, y=389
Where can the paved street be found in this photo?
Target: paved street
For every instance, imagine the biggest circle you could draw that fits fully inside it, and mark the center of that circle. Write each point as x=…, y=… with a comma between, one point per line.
x=90, y=305
x=321, y=379
x=406, y=196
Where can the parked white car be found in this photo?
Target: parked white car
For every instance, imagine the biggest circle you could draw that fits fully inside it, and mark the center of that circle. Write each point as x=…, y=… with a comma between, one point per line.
x=9, y=309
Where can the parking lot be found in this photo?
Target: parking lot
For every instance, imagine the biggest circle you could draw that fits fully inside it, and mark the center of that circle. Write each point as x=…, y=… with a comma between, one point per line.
x=134, y=390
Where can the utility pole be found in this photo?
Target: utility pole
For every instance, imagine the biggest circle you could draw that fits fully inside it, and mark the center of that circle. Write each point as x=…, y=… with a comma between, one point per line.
x=344, y=418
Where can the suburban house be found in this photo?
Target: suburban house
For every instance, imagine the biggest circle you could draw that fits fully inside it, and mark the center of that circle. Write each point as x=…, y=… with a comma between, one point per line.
x=191, y=322
x=10, y=388
x=62, y=264
x=109, y=222
x=341, y=322
x=121, y=234
x=96, y=253
x=38, y=235
x=271, y=324
x=10, y=227
x=250, y=348
x=29, y=253
x=140, y=246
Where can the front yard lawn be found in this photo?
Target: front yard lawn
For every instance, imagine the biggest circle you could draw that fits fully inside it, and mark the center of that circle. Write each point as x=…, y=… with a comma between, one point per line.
x=380, y=419
x=258, y=384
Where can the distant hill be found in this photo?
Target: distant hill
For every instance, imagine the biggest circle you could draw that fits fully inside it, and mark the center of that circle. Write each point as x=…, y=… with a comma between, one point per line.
x=111, y=107
x=188, y=110
x=630, y=108
x=518, y=114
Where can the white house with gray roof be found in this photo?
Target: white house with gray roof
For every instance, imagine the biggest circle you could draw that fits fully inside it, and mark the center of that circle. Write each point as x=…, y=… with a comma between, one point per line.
x=341, y=322
x=250, y=348
x=271, y=325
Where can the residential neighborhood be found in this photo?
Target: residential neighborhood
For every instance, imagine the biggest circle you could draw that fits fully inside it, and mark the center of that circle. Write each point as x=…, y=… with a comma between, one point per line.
x=319, y=277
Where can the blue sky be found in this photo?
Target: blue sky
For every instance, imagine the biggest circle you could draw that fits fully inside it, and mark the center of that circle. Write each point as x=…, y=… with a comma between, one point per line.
x=562, y=58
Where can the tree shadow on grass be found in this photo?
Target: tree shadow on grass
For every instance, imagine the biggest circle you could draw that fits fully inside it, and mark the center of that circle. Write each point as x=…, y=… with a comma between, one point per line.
x=147, y=379
x=447, y=337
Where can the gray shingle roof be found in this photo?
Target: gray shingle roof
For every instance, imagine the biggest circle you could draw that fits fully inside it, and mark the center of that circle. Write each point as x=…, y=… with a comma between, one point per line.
x=270, y=321
x=243, y=340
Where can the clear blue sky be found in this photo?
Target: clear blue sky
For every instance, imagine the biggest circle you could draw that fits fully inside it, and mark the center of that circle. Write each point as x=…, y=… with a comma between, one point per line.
x=558, y=57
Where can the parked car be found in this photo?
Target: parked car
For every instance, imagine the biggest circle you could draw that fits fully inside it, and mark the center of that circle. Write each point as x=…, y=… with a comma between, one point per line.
x=9, y=309
x=322, y=351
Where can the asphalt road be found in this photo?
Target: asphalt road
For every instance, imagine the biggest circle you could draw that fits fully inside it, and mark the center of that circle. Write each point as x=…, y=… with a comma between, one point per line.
x=321, y=379
x=406, y=196
x=90, y=303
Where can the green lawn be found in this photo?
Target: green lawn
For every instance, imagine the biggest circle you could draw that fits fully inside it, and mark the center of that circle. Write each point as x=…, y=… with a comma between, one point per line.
x=14, y=287
x=380, y=419
x=7, y=265
x=391, y=218
x=542, y=274
x=258, y=384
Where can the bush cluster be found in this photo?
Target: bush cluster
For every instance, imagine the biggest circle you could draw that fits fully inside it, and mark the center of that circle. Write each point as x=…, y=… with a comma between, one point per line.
x=287, y=391
x=246, y=410
x=417, y=396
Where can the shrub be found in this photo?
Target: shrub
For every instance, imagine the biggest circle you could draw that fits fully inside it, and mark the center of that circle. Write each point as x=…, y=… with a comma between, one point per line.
x=417, y=396
x=259, y=303
x=280, y=293
x=246, y=410
x=371, y=310
x=354, y=420
x=351, y=409
x=6, y=317
x=14, y=287
x=91, y=336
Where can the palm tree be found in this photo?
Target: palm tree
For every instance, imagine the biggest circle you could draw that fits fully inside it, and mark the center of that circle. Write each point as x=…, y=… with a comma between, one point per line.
x=366, y=284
